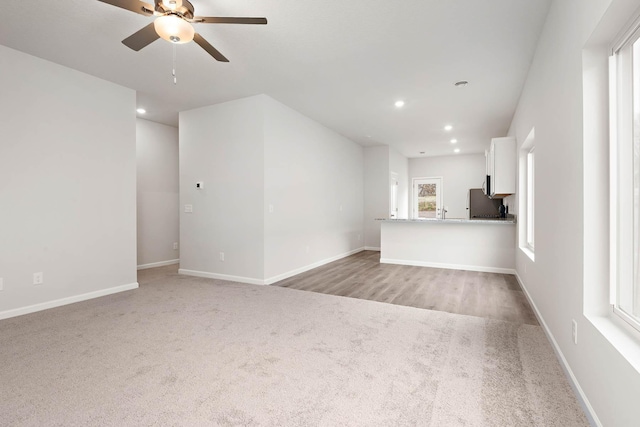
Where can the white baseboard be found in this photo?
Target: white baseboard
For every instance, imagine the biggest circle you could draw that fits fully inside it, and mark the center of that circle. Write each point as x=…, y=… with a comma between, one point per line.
x=317, y=264
x=371, y=248
x=228, y=277
x=449, y=266
x=158, y=264
x=64, y=301
x=270, y=280
x=573, y=381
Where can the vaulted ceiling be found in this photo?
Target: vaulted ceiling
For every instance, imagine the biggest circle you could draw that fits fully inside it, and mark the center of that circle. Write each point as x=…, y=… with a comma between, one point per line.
x=342, y=63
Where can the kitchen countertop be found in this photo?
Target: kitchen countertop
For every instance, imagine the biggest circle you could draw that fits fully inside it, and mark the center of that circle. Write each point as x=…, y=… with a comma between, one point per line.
x=509, y=220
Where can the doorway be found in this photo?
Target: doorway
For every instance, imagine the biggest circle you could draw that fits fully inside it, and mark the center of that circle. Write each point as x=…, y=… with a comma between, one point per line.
x=427, y=198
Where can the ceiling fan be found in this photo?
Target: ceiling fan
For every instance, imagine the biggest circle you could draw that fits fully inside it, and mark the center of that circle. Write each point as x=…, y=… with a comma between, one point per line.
x=173, y=23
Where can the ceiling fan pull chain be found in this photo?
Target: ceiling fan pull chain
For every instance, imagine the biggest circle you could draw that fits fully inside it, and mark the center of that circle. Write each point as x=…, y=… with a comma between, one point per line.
x=175, y=79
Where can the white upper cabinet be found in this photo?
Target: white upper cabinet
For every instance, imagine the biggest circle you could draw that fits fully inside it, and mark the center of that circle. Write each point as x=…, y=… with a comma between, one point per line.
x=501, y=167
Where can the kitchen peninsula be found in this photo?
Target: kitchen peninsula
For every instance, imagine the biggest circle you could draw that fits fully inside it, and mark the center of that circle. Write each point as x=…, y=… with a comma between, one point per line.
x=456, y=243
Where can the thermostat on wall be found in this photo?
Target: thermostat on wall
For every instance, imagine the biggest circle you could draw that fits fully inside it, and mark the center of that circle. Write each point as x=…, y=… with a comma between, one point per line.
x=199, y=185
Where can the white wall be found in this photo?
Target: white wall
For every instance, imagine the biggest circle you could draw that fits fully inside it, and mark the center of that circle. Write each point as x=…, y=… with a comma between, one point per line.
x=400, y=164
x=376, y=193
x=459, y=173
x=67, y=184
x=253, y=153
x=314, y=181
x=157, y=193
x=222, y=145
x=552, y=102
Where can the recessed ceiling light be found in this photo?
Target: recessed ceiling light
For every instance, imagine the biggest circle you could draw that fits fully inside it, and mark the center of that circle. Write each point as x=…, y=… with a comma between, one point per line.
x=141, y=110
x=461, y=83
x=448, y=127
x=399, y=104
x=453, y=141
x=457, y=150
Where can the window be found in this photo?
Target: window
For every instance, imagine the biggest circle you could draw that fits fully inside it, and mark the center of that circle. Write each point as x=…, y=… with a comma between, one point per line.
x=393, y=196
x=625, y=177
x=530, y=199
x=527, y=180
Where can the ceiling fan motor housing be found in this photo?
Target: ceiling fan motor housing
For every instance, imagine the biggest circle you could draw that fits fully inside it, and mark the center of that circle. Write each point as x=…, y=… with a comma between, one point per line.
x=184, y=8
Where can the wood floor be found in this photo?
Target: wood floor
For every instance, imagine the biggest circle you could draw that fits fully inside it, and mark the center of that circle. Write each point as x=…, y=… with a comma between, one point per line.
x=489, y=295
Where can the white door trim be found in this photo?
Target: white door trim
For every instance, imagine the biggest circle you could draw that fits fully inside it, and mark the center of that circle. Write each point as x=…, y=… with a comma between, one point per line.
x=439, y=181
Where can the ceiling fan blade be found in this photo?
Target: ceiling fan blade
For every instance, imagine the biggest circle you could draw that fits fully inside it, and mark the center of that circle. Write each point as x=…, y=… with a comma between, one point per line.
x=142, y=38
x=226, y=20
x=210, y=49
x=132, y=5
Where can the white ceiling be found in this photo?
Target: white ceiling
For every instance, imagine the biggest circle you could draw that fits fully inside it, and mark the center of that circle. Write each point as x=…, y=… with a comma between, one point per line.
x=342, y=63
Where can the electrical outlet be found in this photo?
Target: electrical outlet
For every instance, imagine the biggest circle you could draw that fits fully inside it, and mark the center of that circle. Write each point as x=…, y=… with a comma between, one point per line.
x=221, y=256
x=175, y=246
x=1, y=284
x=358, y=237
x=574, y=331
x=270, y=208
x=188, y=208
x=38, y=278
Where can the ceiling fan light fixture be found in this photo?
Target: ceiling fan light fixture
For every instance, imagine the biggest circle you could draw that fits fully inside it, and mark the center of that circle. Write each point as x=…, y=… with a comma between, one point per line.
x=174, y=29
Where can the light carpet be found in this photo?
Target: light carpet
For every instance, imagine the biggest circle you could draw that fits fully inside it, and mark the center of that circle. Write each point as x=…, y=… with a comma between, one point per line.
x=189, y=351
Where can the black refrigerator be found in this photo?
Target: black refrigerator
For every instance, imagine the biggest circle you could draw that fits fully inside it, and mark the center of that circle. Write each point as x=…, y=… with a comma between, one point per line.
x=480, y=206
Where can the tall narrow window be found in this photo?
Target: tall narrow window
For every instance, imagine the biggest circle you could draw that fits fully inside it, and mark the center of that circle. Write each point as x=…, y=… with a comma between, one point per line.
x=633, y=306
x=527, y=201
x=531, y=162
x=625, y=177
x=393, y=196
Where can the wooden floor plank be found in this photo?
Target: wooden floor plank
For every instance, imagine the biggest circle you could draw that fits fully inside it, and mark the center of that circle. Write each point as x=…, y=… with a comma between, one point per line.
x=489, y=295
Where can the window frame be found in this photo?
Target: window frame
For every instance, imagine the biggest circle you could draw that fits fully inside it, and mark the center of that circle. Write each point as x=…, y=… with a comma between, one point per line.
x=530, y=203
x=622, y=96
x=524, y=201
